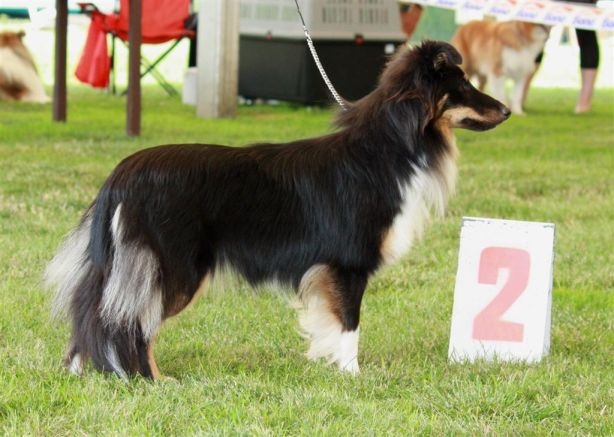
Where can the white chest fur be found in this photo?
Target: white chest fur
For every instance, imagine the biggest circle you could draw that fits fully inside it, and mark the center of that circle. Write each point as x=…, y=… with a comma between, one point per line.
x=428, y=190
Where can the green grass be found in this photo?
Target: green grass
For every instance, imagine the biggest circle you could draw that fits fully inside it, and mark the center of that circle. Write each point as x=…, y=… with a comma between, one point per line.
x=236, y=358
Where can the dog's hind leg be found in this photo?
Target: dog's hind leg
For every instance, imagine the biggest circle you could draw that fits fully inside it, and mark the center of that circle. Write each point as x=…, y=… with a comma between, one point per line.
x=140, y=294
x=330, y=314
x=173, y=305
x=131, y=304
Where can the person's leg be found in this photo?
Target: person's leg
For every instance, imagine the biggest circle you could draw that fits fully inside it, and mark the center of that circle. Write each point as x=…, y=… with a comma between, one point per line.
x=589, y=61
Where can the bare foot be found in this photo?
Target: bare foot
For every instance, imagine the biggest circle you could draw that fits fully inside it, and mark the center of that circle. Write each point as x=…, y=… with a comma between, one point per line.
x=581, y=109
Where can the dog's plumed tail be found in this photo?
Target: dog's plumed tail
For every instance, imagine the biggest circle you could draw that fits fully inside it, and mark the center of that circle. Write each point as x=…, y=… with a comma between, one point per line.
x=109, y=288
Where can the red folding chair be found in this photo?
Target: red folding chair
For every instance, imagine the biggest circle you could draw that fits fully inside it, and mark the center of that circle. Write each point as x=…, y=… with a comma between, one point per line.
x=162, y=21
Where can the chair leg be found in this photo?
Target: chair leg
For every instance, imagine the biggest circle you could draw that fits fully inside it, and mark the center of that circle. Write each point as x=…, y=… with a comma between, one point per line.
x=170, y=90
x=150, y=68
x=113, y=89
x=153, y=65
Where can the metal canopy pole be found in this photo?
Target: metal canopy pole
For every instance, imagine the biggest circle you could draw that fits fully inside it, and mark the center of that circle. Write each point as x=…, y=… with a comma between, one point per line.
x=59, y=83
x=133, y=101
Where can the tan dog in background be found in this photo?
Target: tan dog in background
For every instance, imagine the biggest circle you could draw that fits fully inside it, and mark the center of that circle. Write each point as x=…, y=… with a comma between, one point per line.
x=19, y=78
x=496, y=51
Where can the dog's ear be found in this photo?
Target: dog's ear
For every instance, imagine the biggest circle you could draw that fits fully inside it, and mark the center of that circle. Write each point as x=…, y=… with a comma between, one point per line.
x=445, y=56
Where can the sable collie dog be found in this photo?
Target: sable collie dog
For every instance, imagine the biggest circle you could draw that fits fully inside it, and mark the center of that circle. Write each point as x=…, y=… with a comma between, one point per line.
x=18, y=75
x=496, y=51
x=320, y=215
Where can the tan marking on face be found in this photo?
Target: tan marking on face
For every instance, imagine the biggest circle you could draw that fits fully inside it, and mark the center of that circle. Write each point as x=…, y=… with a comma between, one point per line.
x=456, y=115
x=441, y=103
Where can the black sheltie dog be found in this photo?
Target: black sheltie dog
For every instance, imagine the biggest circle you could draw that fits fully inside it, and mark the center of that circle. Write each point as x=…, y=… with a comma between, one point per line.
x=319, y=214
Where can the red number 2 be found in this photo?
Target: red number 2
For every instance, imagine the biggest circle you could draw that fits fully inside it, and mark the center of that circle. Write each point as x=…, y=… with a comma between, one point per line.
x=488, y=325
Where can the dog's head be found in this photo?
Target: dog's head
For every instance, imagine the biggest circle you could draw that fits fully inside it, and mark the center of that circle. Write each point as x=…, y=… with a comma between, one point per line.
x=538, y=33
x=429, y=77
x=14, y=41
x=11, y=39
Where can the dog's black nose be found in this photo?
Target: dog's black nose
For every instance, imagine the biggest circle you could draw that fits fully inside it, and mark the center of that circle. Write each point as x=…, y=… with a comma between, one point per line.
x=506, y=112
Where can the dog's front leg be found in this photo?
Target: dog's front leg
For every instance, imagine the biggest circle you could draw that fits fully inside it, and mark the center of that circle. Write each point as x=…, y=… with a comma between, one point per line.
x=496, y=85
x=330, y=313
x=518, y=95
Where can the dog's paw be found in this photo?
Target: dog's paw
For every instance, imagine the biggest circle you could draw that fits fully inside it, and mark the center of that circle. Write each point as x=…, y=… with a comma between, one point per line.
x=165, y=379
x=75, y=366
x=351, y=367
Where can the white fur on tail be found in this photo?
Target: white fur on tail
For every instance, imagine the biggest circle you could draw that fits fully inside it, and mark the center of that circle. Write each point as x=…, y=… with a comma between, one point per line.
x=131, y=295
x=65, y=272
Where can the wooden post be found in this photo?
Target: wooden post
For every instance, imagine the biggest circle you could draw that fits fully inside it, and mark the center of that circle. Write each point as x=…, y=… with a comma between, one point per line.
x=218, y=58
x=59, y=81
x=133, y=101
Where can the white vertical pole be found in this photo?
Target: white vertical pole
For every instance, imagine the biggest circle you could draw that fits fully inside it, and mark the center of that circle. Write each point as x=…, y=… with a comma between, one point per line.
x=217, y=58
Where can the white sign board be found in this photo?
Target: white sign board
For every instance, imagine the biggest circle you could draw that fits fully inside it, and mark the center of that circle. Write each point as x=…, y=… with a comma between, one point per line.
x=503, y=294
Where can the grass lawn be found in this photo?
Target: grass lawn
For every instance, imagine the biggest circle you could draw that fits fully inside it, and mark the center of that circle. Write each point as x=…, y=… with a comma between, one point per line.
x=237, y=359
